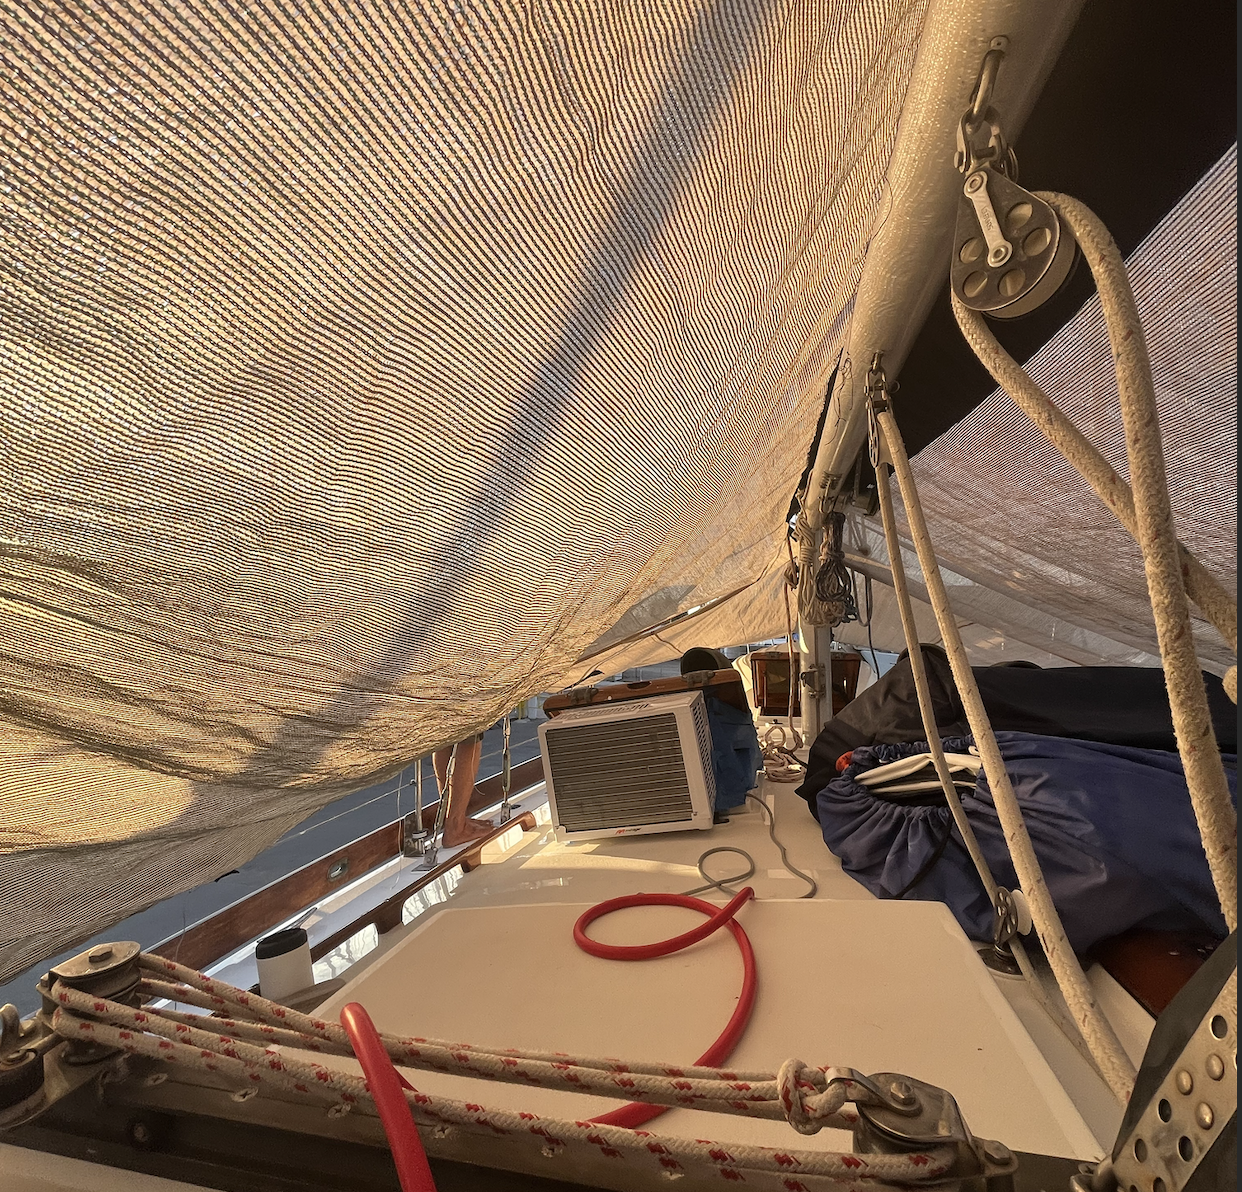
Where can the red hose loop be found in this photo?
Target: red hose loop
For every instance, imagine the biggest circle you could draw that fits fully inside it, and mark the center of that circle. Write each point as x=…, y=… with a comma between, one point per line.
x=384, y=1082
x=636, y=1113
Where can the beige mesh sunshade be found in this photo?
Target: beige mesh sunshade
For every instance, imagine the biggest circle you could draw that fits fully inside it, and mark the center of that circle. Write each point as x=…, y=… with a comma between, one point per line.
x=1035, y=566
x=1008, y=513
x=362, y=365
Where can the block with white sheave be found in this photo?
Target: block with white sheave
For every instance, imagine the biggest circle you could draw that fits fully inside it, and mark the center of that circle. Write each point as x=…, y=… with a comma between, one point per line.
x=629, y=768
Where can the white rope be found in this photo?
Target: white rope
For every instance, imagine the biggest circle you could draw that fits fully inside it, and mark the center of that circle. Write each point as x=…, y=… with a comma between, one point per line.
x=927, y=713
x=918, y=671
x=1113, y=1063
x=1172, y=571
x=242, y=1047
x=1203, y=587
x=812, y=610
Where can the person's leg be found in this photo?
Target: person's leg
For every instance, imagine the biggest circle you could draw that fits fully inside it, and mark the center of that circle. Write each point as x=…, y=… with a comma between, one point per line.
x=458, y=827
x=439, y=763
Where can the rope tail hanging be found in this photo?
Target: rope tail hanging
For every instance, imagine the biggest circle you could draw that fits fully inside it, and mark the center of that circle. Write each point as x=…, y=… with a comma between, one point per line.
x=825, y=591
x=1113, y=1063
x=811, y=610
x=883, y=464
x=1173, y=573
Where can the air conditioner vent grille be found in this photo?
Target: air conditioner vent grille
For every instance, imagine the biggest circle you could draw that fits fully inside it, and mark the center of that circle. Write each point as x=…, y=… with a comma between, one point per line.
x=704, y=733
x=620, y=774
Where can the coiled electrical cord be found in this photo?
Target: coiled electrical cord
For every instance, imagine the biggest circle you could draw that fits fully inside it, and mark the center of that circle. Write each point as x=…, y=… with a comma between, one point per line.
x=721, y=884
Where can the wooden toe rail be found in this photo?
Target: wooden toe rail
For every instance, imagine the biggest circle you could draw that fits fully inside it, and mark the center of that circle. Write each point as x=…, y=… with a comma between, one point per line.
x=387, y=914
x=225, y=931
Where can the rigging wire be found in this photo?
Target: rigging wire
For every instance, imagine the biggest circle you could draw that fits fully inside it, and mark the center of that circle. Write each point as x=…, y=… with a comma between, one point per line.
x=780, y=763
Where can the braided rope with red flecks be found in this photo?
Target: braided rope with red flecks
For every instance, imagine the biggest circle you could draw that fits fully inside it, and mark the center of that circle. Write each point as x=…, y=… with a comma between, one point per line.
x=221, y=1046
x=807, y=1097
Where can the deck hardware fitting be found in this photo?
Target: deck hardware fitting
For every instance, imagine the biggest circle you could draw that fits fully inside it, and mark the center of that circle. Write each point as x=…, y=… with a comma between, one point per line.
x=930, y=1117
x=1172, y=1135
x=1010, y=250
x=414, y=836
x=506, y=775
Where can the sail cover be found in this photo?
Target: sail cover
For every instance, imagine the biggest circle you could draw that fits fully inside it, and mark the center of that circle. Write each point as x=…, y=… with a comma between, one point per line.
x=365, y=364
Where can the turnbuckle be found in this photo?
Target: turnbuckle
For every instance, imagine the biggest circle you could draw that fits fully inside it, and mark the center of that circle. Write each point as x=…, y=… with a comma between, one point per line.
x=506, y=775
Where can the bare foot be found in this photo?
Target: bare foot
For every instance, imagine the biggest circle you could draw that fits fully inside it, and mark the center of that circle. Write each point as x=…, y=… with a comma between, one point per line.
x=472, y=829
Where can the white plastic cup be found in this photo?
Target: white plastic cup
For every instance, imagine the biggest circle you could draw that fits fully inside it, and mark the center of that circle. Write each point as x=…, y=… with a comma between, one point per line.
x=284, y=962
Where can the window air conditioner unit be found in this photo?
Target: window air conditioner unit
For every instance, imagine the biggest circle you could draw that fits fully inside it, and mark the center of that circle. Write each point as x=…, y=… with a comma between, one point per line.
x=630, y=767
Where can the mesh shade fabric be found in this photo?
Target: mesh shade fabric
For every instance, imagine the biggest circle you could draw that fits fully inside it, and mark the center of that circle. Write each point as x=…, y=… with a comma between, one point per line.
x=1007, y=512
x=364, y=364
x=995, y=626
x=1036, y=568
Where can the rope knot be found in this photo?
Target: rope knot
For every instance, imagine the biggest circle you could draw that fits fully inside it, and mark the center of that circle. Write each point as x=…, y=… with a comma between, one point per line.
x=805, y=1104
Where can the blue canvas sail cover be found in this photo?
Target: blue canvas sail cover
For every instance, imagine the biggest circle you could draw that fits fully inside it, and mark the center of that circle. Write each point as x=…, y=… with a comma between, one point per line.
x=1112, y=826
x=736, y=756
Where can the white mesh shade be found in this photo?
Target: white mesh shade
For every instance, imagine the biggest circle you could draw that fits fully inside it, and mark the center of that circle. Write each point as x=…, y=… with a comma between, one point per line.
x=1007, y=512
x=363, y=364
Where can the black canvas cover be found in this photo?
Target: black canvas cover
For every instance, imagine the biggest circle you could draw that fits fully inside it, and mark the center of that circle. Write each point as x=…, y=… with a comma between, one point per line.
x=1119, y=705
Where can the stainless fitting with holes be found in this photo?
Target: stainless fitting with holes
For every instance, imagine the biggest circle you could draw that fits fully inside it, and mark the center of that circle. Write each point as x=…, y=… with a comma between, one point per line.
x=1010, y=251
x=1191, y=1107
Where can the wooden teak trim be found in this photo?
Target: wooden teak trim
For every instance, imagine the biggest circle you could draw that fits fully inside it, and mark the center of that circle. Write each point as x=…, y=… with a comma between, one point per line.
x=387, y=915
x=228, y=929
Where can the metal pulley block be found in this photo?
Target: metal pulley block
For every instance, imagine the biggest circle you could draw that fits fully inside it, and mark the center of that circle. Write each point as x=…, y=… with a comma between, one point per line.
x=1010, y=251
x=917, y=1116
x=106, y=971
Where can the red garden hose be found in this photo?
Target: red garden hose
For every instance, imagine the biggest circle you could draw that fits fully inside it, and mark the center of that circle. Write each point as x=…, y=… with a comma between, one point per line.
x=636, y=1113
x=385, y=1083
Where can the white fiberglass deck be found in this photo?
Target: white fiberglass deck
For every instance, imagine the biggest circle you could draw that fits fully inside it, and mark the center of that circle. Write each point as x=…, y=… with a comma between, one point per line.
x=844, y=978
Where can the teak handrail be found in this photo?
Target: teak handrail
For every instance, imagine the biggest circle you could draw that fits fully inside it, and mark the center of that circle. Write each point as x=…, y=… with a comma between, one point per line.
x=387, y=914
x=223, y=932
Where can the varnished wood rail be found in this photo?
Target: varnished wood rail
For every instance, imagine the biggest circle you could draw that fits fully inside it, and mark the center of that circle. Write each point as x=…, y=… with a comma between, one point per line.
x=387, y=915
x=209, y=939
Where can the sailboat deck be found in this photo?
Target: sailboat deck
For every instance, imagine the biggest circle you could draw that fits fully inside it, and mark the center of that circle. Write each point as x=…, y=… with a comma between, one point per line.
x=845, y=979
